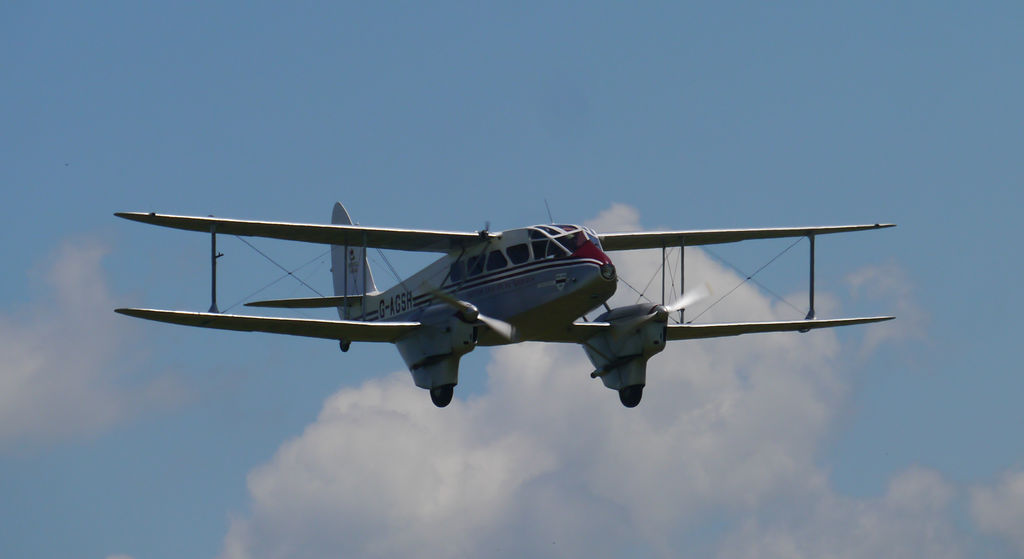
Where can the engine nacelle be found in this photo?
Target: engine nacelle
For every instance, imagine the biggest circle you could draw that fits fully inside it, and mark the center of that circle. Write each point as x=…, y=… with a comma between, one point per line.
x=620, y=356
x=433, y=351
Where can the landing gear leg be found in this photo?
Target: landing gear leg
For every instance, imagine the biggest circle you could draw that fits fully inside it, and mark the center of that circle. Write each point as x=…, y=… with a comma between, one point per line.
x=442, y=395
x=630, y=395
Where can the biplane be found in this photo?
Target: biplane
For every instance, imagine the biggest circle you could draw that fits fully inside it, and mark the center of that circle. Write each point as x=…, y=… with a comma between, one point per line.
x=488, y=288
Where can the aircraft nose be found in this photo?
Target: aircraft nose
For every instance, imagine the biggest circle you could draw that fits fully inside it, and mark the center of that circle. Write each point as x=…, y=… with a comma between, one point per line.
x=608, y=271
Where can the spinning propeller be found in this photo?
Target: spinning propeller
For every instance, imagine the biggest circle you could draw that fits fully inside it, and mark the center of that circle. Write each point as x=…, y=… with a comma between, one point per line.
x=469, y=313
x=661, y=313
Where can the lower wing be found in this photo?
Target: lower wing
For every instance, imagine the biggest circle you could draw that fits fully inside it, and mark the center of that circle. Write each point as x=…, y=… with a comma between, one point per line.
x=349, y=330
x=692, y=331
x=357, y=331
x=582, y=331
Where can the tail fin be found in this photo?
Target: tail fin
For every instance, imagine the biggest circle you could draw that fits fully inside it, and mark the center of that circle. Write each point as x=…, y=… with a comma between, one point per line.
x=351, y=271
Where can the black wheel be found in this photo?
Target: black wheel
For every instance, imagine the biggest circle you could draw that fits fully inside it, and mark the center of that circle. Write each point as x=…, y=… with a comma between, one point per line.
x=630, y=395
x=442, y=395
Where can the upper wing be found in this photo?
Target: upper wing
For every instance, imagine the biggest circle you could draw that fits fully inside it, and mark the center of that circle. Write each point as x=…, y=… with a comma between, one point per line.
x=580, y=332
x=353, y=235
x=331, y=329
x=659, y=239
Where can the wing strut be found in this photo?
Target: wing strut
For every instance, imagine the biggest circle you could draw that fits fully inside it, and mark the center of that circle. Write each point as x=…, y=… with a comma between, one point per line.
x=682, y=270
x=214, y=255
x=682, y=277
x=366, y=264
x=810, y=291
x=810, y=313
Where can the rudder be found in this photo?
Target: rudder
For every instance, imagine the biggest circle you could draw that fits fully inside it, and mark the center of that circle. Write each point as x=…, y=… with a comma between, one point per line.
x=349, y=267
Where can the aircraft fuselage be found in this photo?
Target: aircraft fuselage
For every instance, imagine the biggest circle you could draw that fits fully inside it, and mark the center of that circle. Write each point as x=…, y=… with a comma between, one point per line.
x=539, y=279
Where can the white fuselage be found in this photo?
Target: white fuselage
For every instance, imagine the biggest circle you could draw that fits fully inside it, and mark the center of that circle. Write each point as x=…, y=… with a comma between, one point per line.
x=519, y=278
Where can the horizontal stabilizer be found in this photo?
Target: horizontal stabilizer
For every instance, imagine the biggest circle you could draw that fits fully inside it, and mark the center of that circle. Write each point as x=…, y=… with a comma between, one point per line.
x=693, y=331
x=659, y=239
x=309, y=302
x=350, y=330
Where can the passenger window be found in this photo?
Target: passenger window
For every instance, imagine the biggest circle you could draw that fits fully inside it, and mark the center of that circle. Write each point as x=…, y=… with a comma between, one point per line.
x=518, y=253
x=457, y=271
x=496, y=260
x=475, y=265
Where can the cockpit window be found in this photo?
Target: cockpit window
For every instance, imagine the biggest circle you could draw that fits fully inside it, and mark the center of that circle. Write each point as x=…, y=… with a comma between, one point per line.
x=573, y=241
x=518, y=253
x=540, y=249
x=496, y=260
x=555, y=250
x=554, y=241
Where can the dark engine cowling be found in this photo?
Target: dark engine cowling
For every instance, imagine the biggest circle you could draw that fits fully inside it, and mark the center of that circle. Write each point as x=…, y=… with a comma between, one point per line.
x=432, y=352
x=620, y=354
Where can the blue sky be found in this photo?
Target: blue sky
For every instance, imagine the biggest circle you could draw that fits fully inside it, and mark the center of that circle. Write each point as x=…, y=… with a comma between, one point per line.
x=147, y=440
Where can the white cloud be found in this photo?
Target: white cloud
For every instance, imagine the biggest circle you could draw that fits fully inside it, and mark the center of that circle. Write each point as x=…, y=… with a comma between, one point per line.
x=911, y=520
x=65, y=355
x=999, y=509
x=434, y=475
x=617, y=218
x=546, y=462
x=889, y=283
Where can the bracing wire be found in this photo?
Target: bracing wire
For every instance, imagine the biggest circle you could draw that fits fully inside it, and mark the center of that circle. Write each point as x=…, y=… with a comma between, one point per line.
x=312, y=272
x=286, y=274
x=389, y=266
x=748, y=277
x=671, y=272
x=635, y=290
x=672, y=280
x=274, y=262
x=649, y=282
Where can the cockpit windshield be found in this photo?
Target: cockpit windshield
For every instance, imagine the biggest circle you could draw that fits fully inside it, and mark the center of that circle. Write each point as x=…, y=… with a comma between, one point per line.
x=544, y=242
x=550, y=241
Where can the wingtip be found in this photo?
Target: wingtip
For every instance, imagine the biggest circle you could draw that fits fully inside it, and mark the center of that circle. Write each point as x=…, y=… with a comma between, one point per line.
x=137, y=313
x=873, y=319
x=135, y=216
x=131, y=216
